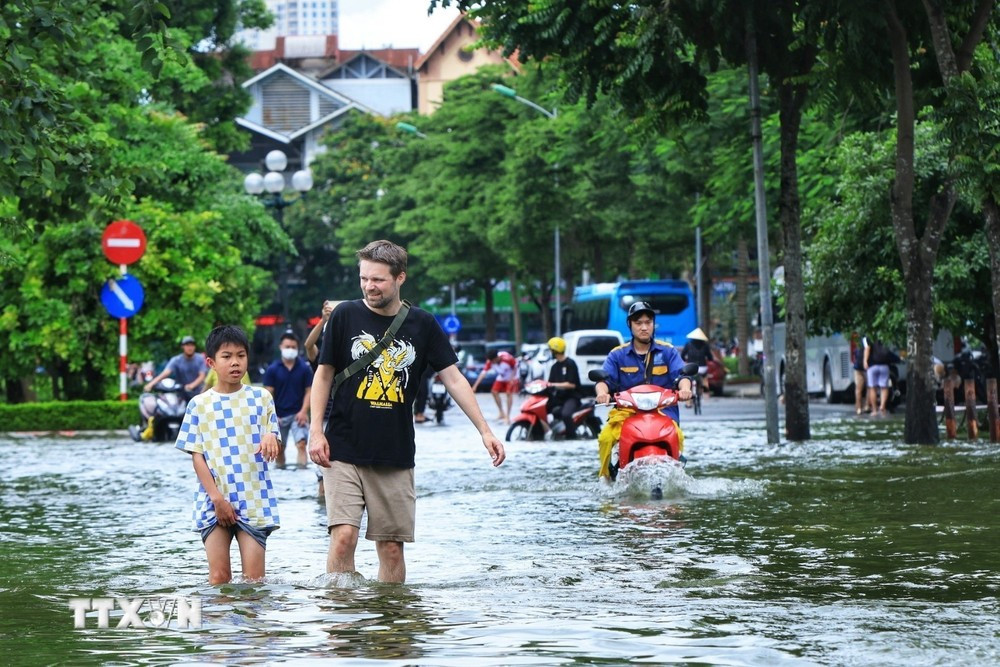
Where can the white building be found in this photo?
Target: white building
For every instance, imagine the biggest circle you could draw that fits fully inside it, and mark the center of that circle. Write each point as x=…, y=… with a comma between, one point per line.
x=294, y=17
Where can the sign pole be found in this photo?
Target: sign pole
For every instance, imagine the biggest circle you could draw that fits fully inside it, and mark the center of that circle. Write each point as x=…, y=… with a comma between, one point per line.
x=123, y=353
x=123, y=242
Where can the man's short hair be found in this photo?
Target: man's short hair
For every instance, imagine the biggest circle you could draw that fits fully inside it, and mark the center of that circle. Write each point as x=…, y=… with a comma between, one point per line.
x=385, y=252
x=288, y=335
x=227, y=333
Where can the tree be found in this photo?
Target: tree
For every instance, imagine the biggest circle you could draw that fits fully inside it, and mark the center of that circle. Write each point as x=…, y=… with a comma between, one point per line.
x=64, y=61
x=199, y=259
x=648, y=57
x=853, y=253
x=918, y=248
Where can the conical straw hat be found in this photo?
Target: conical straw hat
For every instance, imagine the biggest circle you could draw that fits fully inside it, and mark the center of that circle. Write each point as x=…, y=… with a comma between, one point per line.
x=698, y=334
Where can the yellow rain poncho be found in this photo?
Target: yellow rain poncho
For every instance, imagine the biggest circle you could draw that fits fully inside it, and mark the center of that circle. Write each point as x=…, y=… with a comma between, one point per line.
x=612, y=431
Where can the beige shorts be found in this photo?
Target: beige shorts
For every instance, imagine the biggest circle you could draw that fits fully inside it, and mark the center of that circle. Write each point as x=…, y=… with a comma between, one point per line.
x=388, y=494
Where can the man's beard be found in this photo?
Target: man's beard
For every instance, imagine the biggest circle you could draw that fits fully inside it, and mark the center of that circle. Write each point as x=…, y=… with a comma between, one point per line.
x=378, y=301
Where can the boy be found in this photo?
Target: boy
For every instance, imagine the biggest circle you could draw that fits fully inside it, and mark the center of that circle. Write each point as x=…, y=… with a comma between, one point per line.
x=230, y=431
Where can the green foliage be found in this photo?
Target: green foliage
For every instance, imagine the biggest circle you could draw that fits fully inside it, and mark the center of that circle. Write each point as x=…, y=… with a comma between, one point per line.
x=68, y=416
x=196, y=270
x=65, y=64
x=634, y=53
x=854, y=282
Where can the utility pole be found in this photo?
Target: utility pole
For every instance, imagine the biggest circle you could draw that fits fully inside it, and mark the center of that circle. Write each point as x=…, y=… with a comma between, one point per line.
x=763, y=263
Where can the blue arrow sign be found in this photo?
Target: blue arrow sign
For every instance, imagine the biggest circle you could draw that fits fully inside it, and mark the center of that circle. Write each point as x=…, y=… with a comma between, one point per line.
x=451, y=324
x=122, y=296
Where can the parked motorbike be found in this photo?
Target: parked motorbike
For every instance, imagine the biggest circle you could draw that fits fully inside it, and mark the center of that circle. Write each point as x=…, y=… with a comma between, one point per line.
x=161, y=411
x=972, y=365
x=438, y=399
x=648, y=436
x=529, y=424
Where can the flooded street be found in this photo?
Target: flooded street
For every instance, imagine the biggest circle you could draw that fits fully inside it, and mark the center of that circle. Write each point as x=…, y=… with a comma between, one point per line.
x=850, y=549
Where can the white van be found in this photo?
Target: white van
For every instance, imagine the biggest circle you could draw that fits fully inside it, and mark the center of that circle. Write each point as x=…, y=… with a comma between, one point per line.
x=589, y=348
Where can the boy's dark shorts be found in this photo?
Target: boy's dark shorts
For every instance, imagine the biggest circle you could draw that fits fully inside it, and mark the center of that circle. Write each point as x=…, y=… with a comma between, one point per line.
x=258, y=534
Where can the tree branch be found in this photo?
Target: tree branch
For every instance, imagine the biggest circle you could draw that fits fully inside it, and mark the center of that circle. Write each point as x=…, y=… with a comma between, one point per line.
x=976, y=31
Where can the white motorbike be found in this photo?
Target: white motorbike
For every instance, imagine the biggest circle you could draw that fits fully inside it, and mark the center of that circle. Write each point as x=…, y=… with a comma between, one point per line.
x=161, y=412
x=438, y=399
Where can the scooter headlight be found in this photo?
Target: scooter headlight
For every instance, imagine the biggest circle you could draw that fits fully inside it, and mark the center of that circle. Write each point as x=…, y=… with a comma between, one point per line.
x=647, y=400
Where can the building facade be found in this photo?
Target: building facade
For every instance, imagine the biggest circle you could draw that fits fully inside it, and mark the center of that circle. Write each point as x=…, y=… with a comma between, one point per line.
x=449, y=58
x=294, y=17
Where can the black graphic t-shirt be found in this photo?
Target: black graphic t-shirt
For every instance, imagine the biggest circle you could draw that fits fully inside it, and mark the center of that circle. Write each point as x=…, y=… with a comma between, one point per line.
x=371, y=422
x=565, y=371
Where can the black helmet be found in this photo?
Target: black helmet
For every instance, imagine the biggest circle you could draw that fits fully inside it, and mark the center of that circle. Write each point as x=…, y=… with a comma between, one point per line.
x=638, y=308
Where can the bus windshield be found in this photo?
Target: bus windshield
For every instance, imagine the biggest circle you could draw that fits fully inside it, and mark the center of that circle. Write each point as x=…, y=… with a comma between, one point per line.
x=663, y=304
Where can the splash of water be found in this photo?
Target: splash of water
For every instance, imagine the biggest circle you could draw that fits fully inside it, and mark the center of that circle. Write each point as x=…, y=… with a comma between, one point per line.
x=665, y=478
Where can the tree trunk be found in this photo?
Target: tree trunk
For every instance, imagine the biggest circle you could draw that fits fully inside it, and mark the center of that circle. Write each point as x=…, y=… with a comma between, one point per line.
x=15, y=391
x=790, y=100
x=515, y=311
x=543, y=301
x=490, y=313
x=921, y=402
x=95, y=383
x=56, y=370
x=917, y=254
x=742, y=310
x=991, y=215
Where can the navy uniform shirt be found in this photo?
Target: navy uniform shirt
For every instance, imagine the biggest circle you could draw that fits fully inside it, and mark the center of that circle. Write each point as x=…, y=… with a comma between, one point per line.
x=626, y=368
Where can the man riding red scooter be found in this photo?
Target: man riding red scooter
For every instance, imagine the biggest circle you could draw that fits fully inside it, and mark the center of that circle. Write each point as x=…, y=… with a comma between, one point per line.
x=559, y=398
x=642, y=361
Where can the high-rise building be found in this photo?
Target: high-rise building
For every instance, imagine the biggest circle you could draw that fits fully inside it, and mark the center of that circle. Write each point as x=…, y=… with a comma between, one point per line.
x=294, y=17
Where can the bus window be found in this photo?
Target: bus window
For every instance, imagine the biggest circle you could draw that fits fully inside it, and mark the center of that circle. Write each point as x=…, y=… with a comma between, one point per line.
x=590, y=314
x=663, y=304
x=603, y=306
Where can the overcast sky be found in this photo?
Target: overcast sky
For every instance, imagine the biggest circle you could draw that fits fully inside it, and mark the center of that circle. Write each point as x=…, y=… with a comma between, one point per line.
x=402, y=24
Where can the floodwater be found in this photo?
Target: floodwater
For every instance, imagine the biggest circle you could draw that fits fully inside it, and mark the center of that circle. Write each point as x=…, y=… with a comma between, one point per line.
x=852, y=549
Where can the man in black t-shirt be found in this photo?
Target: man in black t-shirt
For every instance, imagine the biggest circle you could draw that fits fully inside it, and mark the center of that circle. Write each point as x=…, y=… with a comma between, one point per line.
x=564, y=380
x=367, y=451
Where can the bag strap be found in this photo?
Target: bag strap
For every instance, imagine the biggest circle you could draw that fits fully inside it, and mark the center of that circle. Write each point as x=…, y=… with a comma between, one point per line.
x=649, y=363
x=376, y=350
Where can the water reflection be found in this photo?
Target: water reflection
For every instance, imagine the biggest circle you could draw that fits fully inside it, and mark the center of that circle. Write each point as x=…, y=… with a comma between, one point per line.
x=378, y=622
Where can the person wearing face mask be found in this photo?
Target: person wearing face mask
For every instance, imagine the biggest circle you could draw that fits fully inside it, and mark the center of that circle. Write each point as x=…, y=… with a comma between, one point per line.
x=289, y=380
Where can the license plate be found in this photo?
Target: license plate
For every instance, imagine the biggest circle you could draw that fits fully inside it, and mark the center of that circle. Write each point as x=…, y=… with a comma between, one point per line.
x=437, y=388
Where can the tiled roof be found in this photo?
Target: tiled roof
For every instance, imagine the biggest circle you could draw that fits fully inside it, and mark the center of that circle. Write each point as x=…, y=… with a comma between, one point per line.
x=325, y=47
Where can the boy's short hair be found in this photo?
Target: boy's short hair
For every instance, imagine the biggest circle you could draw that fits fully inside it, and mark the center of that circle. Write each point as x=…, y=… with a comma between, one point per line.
x=227, y=333
x=385, y=252
x=289, y=335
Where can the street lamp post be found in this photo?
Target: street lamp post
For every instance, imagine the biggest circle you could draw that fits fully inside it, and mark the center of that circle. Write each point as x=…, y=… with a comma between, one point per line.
x=410, y=128
x=273, y=182
x=507, y=91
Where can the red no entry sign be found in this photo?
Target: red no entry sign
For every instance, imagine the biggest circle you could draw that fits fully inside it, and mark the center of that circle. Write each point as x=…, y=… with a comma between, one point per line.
x=123, y=242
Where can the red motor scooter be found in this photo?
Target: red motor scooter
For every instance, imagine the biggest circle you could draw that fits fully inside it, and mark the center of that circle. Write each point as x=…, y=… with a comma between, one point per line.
x=528, y=425
x=648, y=436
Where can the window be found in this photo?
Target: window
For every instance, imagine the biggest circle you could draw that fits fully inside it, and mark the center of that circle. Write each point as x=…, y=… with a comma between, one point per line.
x=663, y=304
x=590, y=314
x=597, y=346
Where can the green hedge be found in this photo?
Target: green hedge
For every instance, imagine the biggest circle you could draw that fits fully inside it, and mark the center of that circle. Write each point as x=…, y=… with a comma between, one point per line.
x=69, y=416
